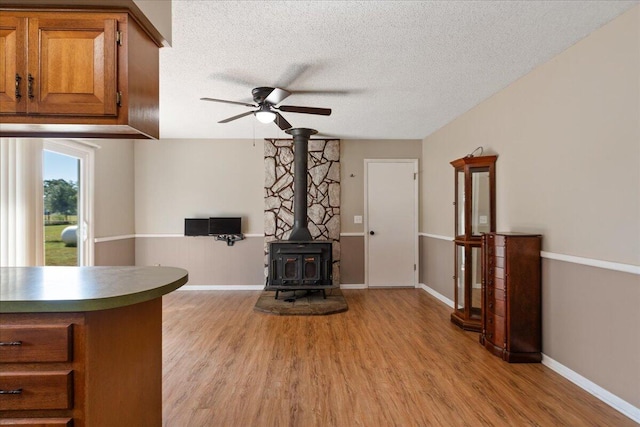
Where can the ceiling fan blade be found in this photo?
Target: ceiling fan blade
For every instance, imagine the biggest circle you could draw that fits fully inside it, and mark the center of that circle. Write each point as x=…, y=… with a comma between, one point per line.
x=236, y=117
x=305, y=110
x=327, y=92
x=282, y=122
x=277, y=95
x=228, y=102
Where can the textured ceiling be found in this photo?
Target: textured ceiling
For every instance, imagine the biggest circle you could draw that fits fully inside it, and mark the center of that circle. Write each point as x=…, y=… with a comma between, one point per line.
x=390, y=69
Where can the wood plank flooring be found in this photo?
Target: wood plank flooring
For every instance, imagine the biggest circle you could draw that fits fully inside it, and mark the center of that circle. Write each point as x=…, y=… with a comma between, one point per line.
x=393, y=359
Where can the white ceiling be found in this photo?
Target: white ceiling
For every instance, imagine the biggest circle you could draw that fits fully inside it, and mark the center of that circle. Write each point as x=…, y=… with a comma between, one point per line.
x=398, y=69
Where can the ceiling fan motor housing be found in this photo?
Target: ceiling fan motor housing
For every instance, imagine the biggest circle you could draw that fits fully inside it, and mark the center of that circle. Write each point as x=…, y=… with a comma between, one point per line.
x=261, y=93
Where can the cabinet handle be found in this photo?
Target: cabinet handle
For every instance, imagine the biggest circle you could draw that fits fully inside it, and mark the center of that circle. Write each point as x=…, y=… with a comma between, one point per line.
x=18, y=79
x=490, y=305
x=16, y=391
x=30, y=86
x=10, y=343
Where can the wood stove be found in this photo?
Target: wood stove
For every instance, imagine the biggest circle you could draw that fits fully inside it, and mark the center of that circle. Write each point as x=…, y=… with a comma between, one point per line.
x=300, y=263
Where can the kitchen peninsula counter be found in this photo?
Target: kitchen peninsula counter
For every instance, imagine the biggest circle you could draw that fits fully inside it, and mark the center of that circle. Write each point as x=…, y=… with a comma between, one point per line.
x=68, y=289
x=82, y=346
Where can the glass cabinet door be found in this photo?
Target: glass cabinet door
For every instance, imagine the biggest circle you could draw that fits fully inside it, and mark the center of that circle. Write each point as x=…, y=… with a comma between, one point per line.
x=476, y=284
x=460, y=203
x=460, y=279
x=481, y=201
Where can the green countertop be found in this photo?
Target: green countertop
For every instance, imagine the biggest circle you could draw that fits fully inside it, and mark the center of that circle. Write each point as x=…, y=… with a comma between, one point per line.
x=74, y=289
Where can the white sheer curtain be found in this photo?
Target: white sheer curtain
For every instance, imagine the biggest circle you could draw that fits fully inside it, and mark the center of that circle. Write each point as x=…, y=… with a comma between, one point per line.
x=21, y=204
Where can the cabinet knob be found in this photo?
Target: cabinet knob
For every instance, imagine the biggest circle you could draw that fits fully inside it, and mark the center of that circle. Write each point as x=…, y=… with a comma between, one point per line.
x=490, y=305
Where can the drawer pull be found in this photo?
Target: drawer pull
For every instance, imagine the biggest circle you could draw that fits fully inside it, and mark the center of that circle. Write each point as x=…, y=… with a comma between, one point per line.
x=16, y=391
x=18, y=79
x=10, y=343
x=30, y=80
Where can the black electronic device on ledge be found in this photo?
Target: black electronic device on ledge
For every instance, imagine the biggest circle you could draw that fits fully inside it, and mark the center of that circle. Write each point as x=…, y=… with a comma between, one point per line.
x=225, y=225
x=228, y=229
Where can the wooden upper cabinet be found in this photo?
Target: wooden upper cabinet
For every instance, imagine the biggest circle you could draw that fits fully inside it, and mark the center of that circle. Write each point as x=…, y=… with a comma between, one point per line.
x=12, y=64
x=77, y=74
x=72, y=66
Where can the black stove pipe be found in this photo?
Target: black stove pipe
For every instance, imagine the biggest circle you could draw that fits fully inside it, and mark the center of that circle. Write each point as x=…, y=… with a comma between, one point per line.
x=300, y=231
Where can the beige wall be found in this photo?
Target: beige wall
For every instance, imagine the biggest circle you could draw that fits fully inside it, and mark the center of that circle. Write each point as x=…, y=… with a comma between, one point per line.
x=209, y=262
x=352, y=155
x=159, y=13
x=569, y=159
x=114, y=189
x=352, y=262
x=178, y=179
x=115, y=252
x=591, y=323
x=437, y=265
x=567, y=135
x=114, y=201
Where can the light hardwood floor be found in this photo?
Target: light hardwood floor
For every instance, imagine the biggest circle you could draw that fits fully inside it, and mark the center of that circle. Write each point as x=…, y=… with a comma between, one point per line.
x=393, y=359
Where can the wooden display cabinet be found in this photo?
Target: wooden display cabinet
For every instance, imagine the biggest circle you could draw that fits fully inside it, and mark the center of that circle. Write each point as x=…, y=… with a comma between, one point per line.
x=475, y=207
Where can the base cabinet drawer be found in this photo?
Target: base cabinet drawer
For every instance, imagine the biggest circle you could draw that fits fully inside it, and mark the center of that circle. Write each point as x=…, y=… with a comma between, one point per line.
x=37, y=422
x=495, y=329
x=496, y=306
x=36, y=390
x=38, y=343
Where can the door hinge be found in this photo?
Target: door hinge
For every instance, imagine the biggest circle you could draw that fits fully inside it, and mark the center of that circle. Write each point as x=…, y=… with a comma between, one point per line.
x=414, y=176
x=414, y=267
x=119, y=38
x=119, y=99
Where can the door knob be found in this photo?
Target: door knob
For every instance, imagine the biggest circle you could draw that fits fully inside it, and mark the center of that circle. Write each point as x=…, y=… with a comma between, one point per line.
x=372, y=232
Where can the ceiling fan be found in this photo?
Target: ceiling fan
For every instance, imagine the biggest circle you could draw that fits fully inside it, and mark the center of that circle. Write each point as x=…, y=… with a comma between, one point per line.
x=266, y=101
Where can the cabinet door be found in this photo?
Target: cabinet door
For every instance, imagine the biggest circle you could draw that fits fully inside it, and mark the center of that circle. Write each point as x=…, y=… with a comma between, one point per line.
x=72, y=66
x=13, y=80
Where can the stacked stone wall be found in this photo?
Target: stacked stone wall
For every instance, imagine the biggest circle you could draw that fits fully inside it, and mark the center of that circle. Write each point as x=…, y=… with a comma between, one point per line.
x=323, y=193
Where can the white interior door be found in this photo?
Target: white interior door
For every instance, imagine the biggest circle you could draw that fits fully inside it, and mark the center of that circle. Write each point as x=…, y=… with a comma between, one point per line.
x=391, y=223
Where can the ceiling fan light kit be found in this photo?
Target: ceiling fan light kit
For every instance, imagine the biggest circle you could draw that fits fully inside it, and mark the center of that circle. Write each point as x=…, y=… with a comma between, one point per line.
x=265, y=115
x=266, y=100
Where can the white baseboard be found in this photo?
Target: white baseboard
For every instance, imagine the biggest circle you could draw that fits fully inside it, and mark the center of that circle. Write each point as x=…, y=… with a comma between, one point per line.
x=221, y=288
x=436, y=294
x=607, y=397
x=353, y=286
